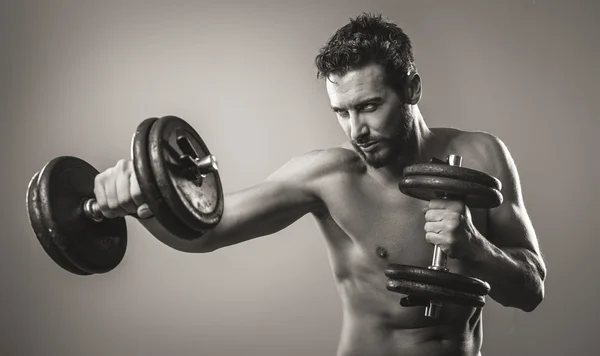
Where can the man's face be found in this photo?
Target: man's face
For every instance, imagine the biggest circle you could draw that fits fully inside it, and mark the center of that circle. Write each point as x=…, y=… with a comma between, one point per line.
x=371, y=113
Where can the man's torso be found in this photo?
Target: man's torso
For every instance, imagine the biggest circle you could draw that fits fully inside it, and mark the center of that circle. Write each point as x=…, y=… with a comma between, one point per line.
x=367, y=226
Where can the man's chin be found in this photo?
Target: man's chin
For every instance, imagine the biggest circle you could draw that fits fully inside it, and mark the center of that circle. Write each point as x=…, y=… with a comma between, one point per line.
x=378, y=157
x=373, y=159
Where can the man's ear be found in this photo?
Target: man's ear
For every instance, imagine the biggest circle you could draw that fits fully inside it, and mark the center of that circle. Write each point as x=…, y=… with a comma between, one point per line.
x=413, y=88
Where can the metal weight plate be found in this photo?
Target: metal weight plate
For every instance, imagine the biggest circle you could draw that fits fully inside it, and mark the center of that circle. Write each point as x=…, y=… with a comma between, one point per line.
x=198, y=203
x=454, y=281
x=433, y=292
x=140, y=152
x=472, y=194
x=65, y=183
x=448, y=171
x=41, y=231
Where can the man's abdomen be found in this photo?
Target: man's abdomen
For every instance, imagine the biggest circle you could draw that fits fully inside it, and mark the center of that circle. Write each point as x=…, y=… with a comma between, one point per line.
x=376, y=324
x=369, y=336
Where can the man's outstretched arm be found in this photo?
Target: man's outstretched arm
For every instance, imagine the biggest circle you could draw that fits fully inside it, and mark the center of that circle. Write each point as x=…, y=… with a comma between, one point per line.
x=263, y=209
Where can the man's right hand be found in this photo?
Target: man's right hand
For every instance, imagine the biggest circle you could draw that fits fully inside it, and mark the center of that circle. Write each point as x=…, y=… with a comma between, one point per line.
x=118, y=192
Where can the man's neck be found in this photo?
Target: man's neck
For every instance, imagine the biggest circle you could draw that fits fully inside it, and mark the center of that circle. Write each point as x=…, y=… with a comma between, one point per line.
x=415, y=153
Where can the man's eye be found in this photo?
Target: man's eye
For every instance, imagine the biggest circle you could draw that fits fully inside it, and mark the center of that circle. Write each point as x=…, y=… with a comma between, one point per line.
x=342, y=113
x=369, y=107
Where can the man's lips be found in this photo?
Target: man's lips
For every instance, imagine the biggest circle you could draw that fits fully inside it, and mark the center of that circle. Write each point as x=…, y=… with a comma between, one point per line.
x=368, y=145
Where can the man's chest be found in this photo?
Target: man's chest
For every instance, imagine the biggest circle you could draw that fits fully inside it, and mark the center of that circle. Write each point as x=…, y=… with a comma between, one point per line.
x=381, y=223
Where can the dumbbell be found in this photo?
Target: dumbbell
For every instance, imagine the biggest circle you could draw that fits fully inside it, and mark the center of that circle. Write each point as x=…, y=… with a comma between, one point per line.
x=435, y=284
x=178, y=178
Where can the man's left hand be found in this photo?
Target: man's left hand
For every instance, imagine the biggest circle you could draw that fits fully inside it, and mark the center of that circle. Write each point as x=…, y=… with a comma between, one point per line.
x=448, y=224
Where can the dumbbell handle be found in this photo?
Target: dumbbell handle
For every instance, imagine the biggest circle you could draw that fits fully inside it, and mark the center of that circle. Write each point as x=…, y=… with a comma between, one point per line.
x=205, y=165
x=440, y=259
x=92, y=210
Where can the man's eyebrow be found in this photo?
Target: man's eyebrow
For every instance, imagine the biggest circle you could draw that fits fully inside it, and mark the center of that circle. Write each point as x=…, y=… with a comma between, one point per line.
x=371, y=100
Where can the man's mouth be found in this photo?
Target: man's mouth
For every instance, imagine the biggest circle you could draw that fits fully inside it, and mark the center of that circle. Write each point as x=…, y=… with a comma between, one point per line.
x=368, y=145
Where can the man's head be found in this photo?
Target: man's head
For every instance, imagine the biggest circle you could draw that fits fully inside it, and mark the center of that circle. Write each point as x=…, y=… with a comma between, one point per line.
x=372, y=85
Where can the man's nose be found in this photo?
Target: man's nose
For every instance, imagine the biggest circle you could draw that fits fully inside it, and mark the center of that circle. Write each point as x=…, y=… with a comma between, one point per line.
x=357, y=127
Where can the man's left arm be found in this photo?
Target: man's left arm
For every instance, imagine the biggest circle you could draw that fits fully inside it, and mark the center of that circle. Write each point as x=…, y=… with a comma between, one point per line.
x=507, y=255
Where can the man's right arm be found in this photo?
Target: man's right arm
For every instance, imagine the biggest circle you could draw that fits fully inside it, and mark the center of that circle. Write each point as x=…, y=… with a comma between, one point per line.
x=266, y=208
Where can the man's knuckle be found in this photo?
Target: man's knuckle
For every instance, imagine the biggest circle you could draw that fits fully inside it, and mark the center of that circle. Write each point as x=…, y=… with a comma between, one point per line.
x=428, y=237
x=113, y=203
x=123, y=200
x=430, y=215
x=99, y=179
x=451, y=223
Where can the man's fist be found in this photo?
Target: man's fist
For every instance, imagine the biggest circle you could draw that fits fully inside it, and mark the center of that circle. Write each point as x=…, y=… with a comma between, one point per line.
x=448, y=224
x=118, y=192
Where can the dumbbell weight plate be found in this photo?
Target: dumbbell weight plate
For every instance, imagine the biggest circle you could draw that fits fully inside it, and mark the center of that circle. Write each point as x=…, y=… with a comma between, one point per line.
x=198, y=203
x=435, y=292
x=149, y=187
x=63, y=186
x=447, y=171
x=450, y=280
x=474, y=195
x=41, y=231
x=438, y=180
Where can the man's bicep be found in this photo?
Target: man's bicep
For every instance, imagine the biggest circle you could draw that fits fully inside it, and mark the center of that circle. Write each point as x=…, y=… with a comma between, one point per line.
x=511, y=227
x=509, y=224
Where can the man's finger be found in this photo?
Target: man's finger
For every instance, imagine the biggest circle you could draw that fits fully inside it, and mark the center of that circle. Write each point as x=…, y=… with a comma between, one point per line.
x=112, y=199
x=435, y=238
x=123, y=194
x=448, y=204
x=435, y=214
x=101, y=199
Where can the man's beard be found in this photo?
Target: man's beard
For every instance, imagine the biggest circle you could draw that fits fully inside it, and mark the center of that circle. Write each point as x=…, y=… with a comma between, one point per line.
x=390, y=148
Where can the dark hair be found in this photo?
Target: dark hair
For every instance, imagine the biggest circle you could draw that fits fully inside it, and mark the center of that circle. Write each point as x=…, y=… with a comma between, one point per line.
x=364, y=40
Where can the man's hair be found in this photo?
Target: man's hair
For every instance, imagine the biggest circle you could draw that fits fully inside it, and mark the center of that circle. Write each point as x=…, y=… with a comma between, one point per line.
x=367, y=39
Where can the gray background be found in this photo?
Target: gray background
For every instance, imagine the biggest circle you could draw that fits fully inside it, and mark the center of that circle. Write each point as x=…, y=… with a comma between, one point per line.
x=78, y=76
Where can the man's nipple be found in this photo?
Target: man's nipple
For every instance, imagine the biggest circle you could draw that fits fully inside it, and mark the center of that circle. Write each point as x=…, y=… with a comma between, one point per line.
x=381, y=252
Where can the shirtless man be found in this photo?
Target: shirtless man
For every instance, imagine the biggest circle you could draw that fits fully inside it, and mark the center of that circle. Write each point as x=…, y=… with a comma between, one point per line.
x=352, y=193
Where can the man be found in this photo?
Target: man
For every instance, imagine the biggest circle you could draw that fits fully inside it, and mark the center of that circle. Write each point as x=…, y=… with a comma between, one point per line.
x=352, y=193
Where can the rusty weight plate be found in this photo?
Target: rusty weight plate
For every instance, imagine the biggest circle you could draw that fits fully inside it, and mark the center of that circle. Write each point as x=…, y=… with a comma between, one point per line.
x=447, y=171
x=140, y=152
x=443, y=279
x=64, y=184
x=42, y=232
x=197, y=200
x=474, y=195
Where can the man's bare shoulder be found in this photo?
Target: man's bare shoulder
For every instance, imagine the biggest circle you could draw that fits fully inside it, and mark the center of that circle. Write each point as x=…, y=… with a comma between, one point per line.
x=320, y=163
x=480, y=150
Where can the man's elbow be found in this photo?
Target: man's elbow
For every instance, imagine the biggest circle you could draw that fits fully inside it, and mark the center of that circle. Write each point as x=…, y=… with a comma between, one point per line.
x=526, y=298
x=525, y=302
x=537, y=293
x=535, y=300
x=540, y=283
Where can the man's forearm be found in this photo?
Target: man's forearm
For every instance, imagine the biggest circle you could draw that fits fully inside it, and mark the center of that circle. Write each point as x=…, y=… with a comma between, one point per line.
x=516, y=275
